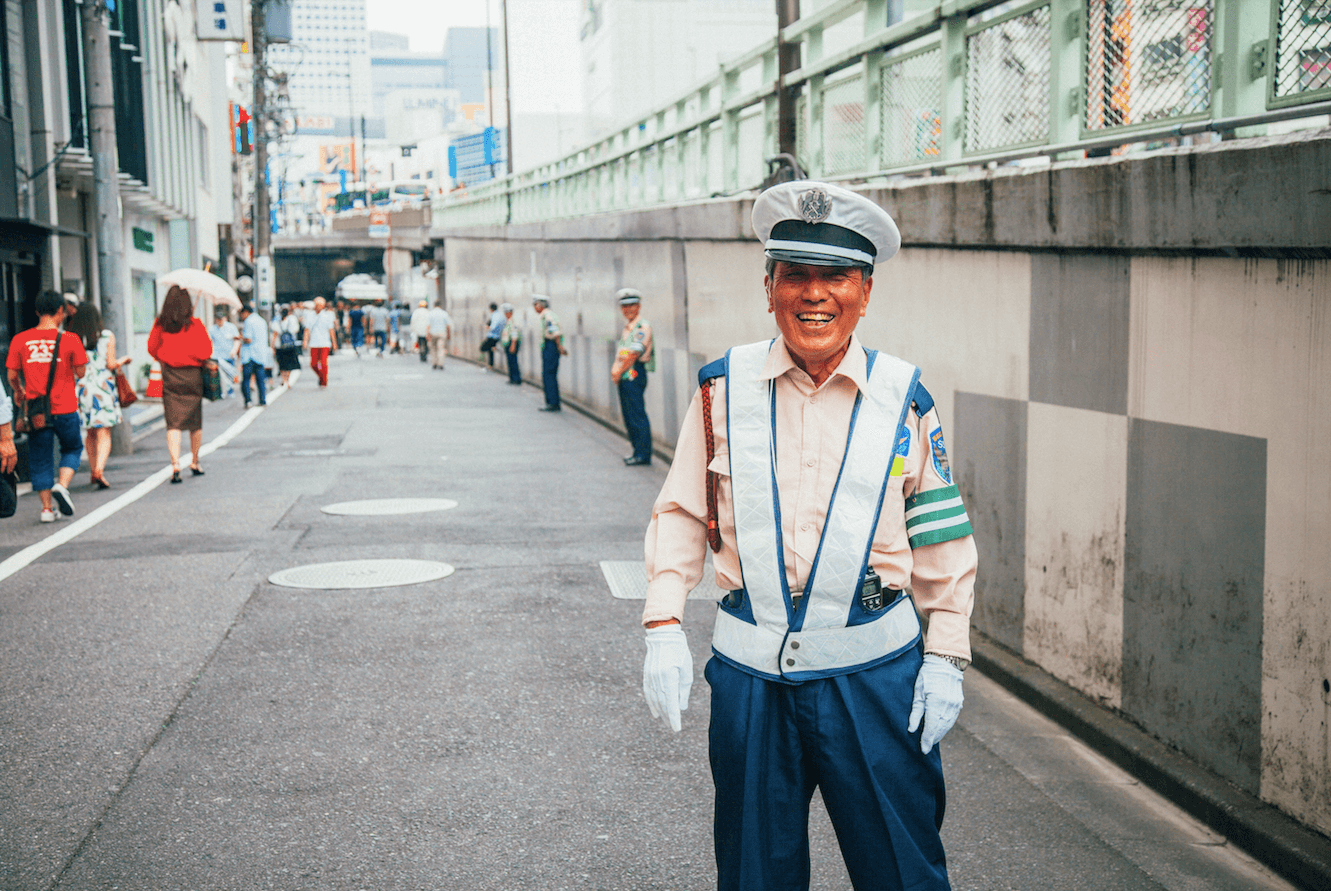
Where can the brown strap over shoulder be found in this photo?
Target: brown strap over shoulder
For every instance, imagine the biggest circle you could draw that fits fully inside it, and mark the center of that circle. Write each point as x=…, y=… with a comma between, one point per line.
x=713, y=527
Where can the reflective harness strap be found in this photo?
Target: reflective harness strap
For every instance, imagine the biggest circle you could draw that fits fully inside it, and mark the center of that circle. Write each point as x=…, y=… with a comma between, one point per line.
x=713, y=526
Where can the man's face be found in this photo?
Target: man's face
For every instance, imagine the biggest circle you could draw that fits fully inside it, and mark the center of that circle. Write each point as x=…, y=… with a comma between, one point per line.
x=816, y=307
x=319, y=304
x=539, y=306
x=508, y=313
x=630, y=311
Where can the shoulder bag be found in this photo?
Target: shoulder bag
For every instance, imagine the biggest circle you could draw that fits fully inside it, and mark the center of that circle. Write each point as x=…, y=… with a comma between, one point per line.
x=36, y=414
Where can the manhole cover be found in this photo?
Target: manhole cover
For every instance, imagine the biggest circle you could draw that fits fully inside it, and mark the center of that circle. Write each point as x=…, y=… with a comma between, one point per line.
x=383, y=507
x=628, y=581
x=361, y=574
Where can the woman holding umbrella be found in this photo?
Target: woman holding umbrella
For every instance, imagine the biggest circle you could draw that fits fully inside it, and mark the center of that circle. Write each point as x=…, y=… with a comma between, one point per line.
x=181, y=344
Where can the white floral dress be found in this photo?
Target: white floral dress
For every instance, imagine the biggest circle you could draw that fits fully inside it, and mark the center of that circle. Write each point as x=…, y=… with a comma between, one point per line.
x=98, y=405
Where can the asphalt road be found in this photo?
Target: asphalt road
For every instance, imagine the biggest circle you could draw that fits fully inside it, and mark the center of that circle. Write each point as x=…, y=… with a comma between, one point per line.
x=171, y=720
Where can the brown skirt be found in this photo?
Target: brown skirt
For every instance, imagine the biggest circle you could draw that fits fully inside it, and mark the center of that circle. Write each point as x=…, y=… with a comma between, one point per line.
x=182, y=397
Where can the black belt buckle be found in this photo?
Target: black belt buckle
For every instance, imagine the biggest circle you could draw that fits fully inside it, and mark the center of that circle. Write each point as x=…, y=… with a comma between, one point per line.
x=871, y=592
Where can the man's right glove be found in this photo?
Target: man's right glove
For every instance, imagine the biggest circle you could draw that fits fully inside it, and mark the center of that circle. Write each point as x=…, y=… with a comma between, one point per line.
x=667, y=674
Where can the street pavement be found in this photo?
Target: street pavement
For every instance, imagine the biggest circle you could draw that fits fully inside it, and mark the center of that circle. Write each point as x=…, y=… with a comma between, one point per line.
x=171, y=720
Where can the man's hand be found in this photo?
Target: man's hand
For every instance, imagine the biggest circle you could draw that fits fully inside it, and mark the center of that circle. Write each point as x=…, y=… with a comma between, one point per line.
x=8, y=454
x=937, y=700
x=667, y=674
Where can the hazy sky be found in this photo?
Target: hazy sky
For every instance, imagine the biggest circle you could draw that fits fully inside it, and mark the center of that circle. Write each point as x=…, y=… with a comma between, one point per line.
x=546, y=66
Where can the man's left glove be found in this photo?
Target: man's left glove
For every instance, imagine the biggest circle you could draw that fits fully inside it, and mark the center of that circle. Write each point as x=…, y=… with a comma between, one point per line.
x=667, y=674
x=937, y=700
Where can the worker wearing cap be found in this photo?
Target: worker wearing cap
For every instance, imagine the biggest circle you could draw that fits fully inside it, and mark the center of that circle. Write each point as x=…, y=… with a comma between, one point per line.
x=510, y=338
x=633, y=359
x=552, y=347
x=815, y=470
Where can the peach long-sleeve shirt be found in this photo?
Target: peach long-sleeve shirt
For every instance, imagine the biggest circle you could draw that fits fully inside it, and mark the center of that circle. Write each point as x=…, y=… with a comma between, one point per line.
x=812, y=425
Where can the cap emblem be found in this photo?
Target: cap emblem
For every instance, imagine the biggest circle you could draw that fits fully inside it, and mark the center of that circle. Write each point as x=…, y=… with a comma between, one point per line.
x=815, y=206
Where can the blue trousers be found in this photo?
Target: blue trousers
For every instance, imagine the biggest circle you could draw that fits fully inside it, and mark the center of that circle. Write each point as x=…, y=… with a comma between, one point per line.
x=635, y=413
x=253, y=368
x=41, y=449
x=514, y=375
x=772, y=744
x=550, y=372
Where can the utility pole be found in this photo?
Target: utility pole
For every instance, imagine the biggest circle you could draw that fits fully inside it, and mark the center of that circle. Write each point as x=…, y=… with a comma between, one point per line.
x=263, y=251
x=788, y=60
x=101, y=126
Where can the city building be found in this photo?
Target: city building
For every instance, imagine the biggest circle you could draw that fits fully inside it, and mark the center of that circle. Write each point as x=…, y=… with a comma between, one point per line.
x=172, y=135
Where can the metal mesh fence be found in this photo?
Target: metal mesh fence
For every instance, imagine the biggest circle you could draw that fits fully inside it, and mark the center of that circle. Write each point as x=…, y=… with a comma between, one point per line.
x=1147, y=60
x=1303, y=47
x=750, y=136
x=1007, y=82
x=843, y=126
x=911, y=109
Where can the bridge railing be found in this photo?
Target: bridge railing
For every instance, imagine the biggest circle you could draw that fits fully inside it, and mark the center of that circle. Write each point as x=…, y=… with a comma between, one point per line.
x=963, y=84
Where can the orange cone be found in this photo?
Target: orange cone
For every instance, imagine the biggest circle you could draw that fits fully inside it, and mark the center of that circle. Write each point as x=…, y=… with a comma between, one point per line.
x=154, y=382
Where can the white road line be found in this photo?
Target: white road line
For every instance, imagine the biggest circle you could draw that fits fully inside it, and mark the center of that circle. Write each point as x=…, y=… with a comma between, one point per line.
x=111, y=508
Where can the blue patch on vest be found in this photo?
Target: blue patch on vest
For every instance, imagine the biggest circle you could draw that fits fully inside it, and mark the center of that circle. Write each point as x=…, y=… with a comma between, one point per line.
x=941, y=467
x=712, y=370
x=903, y=444
x=924, y=402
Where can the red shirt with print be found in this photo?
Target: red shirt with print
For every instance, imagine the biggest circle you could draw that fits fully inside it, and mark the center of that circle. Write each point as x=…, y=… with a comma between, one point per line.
x=30, y=354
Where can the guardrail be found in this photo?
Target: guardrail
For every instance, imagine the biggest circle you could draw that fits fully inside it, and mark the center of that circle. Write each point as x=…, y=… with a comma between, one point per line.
x=966, y=83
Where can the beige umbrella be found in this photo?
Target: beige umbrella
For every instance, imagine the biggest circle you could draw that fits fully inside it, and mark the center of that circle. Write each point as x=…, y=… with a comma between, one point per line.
x=202, y=284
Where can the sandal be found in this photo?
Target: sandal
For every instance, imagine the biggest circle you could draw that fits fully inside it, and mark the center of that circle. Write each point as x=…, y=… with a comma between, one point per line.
x=196, y=471
x=175, y=476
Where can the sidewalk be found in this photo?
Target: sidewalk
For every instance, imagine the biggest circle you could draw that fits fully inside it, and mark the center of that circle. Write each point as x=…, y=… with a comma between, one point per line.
x=171, y=719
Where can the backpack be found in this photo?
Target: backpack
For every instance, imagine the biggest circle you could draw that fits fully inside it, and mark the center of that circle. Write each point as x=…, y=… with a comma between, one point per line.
x=287, y=339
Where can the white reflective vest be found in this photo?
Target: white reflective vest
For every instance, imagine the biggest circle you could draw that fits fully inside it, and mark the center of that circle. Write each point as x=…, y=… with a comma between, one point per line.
x=828, y=633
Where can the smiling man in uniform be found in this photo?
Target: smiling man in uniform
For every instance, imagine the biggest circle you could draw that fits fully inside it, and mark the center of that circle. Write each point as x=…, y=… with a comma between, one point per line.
x=815, y=470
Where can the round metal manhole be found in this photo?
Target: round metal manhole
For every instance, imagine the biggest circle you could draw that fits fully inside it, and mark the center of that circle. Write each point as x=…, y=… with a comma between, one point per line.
x=384, y=507
x=361, y=574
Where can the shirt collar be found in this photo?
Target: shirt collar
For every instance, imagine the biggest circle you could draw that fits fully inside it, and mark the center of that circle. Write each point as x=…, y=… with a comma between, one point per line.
x=853, y=366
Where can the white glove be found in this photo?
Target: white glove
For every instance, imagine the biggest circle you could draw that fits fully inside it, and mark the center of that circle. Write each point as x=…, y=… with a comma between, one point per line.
x=667, y=674
x=937, y=700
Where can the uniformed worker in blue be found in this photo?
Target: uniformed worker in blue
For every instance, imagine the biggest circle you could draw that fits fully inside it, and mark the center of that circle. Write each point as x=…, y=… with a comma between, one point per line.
x=552, y=347
x=818, y=466
x=634, y=357
x=510, y=339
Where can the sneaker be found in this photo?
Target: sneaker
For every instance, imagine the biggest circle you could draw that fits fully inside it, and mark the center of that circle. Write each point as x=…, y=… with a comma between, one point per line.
x=62, y=499
x=48, y=516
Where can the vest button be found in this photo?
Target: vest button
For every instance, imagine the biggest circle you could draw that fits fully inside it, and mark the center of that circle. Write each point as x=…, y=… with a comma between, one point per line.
x=790, y=661
x=794, y=645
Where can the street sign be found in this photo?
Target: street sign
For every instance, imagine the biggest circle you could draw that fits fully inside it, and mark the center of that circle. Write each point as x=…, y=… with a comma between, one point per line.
x=378, y=224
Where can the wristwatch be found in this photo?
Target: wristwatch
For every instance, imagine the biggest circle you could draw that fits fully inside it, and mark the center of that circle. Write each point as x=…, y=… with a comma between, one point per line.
x=956, y=661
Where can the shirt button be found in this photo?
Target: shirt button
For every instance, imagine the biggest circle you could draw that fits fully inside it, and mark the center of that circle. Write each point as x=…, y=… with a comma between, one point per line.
x=804, y=527
x=810, y=462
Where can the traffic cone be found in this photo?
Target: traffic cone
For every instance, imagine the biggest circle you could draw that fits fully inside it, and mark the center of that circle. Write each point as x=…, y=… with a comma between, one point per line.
x=154, y=382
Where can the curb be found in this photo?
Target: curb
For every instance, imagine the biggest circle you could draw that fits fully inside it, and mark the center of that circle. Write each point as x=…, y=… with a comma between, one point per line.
x=1298, y=854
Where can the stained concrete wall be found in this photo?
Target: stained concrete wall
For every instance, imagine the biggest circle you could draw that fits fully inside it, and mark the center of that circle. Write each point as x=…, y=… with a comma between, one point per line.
x=1132, y=358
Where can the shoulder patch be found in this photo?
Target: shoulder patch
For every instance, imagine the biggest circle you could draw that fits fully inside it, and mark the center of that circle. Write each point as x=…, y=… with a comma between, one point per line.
x=903, y=444
x=941, y=465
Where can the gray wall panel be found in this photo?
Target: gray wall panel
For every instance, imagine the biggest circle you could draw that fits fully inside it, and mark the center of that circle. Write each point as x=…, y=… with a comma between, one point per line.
x=1193, y=578
x=990, y=449
x=1079, y=331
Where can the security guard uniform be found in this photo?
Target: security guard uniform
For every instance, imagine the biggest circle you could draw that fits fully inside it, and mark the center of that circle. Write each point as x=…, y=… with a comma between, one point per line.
x=822, y=505
x=635, y=356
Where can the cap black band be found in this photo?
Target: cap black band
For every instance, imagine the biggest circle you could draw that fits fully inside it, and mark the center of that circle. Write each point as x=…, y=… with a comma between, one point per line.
x=822, y=233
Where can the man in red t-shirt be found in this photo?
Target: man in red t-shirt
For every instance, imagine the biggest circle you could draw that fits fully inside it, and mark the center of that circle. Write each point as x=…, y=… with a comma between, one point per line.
x=29, y=367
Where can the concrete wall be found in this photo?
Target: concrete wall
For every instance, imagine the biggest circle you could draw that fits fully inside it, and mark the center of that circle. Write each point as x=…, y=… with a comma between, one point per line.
x=1132, y=358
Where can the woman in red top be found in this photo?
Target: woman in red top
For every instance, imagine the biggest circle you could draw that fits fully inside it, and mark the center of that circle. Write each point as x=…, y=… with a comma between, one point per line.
x=181, y=344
